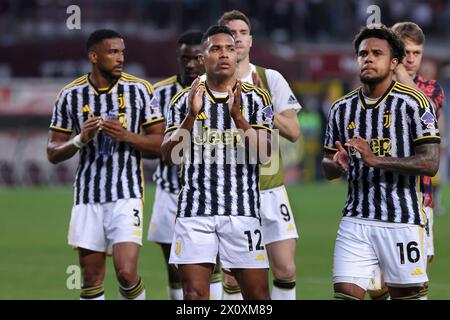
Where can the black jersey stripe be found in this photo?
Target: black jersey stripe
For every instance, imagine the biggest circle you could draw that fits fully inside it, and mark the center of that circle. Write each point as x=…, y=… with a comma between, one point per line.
x=98, y=106
x=377, y=132
x=162, y=99
x=413, y=185
x=364, y=169
x=228, y=153
x=173, y=92
x=165, y=175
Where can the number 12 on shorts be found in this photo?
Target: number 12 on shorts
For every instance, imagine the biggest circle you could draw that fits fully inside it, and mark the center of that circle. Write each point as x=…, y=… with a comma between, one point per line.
x=412, y=252
x=257, y=233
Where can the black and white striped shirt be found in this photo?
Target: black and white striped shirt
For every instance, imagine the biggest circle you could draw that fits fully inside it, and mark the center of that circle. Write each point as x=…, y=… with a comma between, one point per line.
x=98, y=178
x=166, y=176
x=225, y=186
x=400, y=120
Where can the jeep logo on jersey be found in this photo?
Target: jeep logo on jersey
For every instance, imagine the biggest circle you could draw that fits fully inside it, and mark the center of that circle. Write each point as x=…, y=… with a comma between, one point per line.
x=428, y=119
x=379, y=146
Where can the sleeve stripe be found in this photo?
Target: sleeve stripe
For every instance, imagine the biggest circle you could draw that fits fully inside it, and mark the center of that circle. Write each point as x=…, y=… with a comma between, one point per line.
x=258, y=126
x=178, y=95
x=130, y=78
x=417, y=94
x=55, y=128
x=330, y=148
x=248, y=87
x=171, y=129
x=165, y=82
x=77, y=82
x=157, y=120
x=349, y=95
x=427, y=137
x=262, y=92
x=267, y=99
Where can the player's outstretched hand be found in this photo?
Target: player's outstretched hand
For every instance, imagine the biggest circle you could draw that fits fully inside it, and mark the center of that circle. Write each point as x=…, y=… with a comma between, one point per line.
x=234, y=100
x=341, y=157
x=195, y=98
x=90, y=128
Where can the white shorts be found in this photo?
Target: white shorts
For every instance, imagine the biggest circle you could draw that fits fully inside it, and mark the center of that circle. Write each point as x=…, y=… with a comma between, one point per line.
x=237, y=239
x=429, y=231
x=98, y=226
x=276, y=216
x=164, y=213
x=399, y=251
x=375, y=282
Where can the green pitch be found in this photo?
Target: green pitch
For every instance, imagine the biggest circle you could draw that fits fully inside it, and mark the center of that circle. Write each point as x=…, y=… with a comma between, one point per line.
x=34, y=256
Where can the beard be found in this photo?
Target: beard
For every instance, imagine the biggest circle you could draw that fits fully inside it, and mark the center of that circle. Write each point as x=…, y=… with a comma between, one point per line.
x=373, y=81
x=108, y=73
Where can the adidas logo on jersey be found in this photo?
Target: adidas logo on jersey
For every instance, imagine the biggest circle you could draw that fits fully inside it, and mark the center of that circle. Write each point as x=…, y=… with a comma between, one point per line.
x=417, y=272
x=260, y=257
x=201, y=116
x=178, y=247
x=86, y=108
x=292, y=99
x=351, y=126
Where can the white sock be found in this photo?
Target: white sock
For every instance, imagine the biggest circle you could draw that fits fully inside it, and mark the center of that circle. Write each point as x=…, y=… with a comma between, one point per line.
x=102, y=297
x=283, y=290
x=282, y=294
x=175, y=294
x=232, y=296
x=215, y=291
x=136, y=292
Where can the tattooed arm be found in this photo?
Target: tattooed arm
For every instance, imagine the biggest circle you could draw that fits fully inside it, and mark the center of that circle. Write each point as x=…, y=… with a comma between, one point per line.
x=425, y=161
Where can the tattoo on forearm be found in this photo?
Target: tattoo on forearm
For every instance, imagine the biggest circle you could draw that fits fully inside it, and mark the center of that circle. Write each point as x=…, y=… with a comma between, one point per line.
x=424, y=162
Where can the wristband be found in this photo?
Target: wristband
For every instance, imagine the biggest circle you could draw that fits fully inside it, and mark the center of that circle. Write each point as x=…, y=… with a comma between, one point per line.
x=77, y=142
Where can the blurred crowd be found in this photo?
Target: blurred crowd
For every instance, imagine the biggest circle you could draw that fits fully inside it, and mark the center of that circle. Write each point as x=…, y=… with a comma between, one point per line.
x=280, y=21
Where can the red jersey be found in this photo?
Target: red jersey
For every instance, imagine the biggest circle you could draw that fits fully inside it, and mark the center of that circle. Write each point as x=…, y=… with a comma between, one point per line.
x=435, y=94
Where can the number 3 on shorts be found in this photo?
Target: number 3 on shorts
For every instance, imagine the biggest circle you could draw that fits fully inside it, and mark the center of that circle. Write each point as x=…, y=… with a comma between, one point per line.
x=137, y=218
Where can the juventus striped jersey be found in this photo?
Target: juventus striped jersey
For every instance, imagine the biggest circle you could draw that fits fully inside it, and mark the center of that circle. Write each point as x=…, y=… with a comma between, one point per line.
x=119, y=176
x=400, y=120
x=215, y=181
x=166, y=176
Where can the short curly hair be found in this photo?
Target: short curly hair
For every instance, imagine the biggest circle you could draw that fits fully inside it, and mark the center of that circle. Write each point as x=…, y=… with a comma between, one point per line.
x=380, y=31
